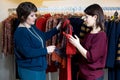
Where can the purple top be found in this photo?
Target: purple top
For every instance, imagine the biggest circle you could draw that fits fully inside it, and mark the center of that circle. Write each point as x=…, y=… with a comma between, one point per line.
x=96, y=46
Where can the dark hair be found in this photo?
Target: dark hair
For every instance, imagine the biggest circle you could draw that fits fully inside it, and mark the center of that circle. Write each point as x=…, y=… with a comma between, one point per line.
x=95, y=9
x=24, y=9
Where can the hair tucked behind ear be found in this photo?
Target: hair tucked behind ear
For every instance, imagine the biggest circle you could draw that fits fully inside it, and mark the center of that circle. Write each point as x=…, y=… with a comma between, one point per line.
x=95, y=9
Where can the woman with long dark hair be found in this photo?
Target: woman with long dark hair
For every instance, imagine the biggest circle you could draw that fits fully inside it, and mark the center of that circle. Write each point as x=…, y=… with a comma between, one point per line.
x=93, y=48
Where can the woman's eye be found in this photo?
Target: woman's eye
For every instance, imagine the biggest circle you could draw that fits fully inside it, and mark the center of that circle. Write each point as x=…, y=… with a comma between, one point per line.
x=33, y=15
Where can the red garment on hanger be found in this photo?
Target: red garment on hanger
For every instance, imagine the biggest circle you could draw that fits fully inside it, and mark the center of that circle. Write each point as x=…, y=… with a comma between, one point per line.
x=41, y=22
x=52, y=64
x=70, y=49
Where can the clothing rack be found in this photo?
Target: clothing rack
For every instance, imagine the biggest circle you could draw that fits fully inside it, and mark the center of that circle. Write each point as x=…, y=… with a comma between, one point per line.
x=71, y=9
x=11, y=10
x=111, y=10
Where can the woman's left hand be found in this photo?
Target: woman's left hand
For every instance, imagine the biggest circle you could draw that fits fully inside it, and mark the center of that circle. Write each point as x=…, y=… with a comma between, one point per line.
x=74, y=41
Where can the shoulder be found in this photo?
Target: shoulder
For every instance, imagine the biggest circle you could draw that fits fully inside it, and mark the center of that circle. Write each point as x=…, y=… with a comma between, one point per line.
x=20, y=32
x=35, y=28
x=100, y=36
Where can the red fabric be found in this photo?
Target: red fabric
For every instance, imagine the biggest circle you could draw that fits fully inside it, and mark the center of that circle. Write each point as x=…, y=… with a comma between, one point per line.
x=70, y=49
x=66, y=35
x=63, y=74
x=41, y=22
x=69, y=77
x=47, y=16
x=66, y=23
x=51, y=68
x=51, y=65
x=51, y=58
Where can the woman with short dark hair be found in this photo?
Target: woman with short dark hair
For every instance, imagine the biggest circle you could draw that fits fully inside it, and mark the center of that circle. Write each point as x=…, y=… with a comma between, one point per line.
x=24, y=10
x=30, y=47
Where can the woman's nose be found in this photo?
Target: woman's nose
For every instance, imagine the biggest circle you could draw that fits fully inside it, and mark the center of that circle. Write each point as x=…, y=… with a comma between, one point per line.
x=35, y=17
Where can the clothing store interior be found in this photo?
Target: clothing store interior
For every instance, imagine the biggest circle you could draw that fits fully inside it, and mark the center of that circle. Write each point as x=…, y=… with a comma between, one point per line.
x=60, y=65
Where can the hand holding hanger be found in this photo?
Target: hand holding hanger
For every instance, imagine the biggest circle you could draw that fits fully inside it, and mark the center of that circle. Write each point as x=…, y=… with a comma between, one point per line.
x=59, y=25
x=50, y=49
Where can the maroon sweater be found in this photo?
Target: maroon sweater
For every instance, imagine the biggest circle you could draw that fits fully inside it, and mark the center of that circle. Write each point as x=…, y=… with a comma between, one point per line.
x=96, y=46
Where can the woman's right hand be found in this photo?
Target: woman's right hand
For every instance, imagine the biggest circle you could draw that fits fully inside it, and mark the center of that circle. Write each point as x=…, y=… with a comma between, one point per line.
x=59, y=25
x=74, y=41
x=50, y=49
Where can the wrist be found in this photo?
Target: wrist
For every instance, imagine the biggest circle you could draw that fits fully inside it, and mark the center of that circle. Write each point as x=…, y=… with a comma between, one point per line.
x=78, y=46
x=57, y=27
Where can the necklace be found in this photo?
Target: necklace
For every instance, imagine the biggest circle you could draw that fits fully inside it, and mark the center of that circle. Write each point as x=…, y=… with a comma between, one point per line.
x=35, y=34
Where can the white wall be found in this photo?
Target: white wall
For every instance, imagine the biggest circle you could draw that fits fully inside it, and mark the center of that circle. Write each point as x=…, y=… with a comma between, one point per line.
x=5, y=4
x=85, y=3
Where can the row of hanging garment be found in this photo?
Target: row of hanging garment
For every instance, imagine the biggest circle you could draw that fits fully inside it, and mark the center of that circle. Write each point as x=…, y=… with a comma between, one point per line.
x=113, y=57
x=45, y=23
x=112, y=31
x=8, y=28
x=58, y=58
x=80, y=30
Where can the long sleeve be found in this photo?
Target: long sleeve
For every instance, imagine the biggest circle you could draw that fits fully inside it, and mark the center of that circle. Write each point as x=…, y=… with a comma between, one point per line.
x=97, y=49
x=49, y=34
